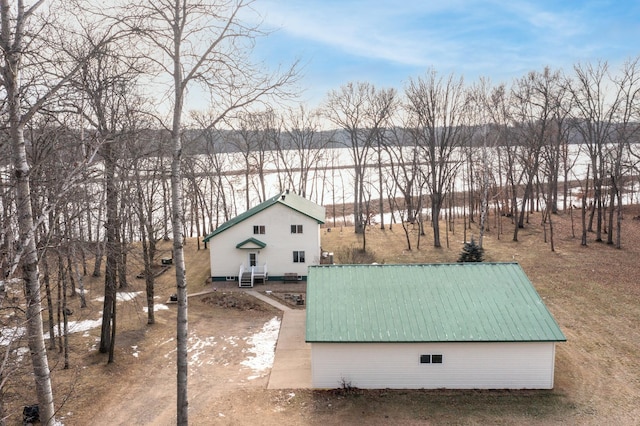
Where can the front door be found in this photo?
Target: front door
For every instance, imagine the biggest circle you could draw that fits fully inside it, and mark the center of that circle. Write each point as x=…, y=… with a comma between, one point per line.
x=253, y=259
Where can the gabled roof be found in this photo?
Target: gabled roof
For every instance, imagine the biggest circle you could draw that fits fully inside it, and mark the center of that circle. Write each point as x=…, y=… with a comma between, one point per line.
x=251, y=243
x=290, y=200
x=461, y=302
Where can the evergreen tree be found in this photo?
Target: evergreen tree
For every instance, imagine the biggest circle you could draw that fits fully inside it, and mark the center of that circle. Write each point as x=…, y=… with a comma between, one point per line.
x=471, y=252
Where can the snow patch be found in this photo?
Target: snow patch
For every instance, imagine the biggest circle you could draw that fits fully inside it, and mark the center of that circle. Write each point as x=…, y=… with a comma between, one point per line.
x=85, y=325
x=156, y=307
x=122, y=296
x=21, y=353
x=9, y=334
x=197, y=347
x=263, y=347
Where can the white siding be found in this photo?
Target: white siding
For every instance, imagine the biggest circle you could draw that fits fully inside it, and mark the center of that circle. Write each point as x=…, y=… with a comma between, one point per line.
x=225, y=258
x=465, y=365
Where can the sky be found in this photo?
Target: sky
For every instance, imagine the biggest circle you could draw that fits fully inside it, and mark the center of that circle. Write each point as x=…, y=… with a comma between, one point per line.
x=387, y=42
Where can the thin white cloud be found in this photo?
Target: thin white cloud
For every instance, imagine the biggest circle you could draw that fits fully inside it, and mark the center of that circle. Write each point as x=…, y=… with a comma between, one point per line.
x=418, y=33
x=387, y=42
x=373, y=30
x=538, y=16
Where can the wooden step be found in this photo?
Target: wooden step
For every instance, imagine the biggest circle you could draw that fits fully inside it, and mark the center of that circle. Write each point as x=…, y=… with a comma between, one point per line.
x=245, y=280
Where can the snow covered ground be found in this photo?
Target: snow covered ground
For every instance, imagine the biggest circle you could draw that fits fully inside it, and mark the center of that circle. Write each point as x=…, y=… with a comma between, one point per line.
x=263, y=347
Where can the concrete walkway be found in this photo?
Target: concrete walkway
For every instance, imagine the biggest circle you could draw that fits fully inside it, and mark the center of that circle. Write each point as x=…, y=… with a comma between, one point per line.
x=268, y=300
x=292, y=364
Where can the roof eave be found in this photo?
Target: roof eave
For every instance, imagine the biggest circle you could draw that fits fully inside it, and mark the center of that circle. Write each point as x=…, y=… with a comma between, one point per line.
x=437, y=341
x=255, y=210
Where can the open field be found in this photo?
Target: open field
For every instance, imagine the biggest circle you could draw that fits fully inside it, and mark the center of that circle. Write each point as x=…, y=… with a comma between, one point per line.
x=592, y=291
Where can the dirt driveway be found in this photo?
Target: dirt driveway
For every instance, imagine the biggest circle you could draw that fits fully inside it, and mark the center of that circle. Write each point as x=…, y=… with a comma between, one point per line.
x=231, y=343
x=222, y=359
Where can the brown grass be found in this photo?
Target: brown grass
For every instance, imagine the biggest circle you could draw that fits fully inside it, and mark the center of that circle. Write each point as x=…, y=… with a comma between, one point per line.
x=592, y=291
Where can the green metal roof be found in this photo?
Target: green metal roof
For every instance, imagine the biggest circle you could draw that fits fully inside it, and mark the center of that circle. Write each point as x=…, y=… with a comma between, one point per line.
x=460, y=302
x=251, y=243
x=291, y=200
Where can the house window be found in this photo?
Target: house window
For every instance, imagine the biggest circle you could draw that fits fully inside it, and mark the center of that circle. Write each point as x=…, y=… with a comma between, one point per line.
x=298, y=257
x=430, y=359
x=258, y=229
x=296, y=229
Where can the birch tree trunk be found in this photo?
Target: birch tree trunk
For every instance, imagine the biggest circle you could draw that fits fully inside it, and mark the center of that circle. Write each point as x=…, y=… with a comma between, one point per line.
x=177, y=224
x=11, y=41
x=30, y=272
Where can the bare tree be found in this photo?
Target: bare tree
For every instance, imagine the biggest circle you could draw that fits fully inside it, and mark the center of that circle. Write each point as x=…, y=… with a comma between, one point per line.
x=480, y=104
x=147, y=179
x=404, y=157
x=347, y=108
x=556, y=159
x=438, y=105
x=301, y=147
x=626, y=131
x=386, y=105
x=583, y=210
x=26, y=39
x=361, y=111
x=217, y=163
x=595, y=104
x=14, y=20
x=270, y=134
x=534, y=101
x=497, y=106
x=205, y=44
x=106, y=88
x=250, y=139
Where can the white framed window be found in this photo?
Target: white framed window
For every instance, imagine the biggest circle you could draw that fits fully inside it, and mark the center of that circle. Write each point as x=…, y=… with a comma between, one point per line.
x=296, y=229
x=298, y=257
x=258, y=229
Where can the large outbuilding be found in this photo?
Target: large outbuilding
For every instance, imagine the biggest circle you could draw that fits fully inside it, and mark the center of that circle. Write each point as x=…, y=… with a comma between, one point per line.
x=427, y=326
x=275, y=240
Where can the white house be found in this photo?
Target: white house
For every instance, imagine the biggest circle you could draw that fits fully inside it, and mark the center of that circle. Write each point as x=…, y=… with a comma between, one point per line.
x=275, y=240
x=456, y=326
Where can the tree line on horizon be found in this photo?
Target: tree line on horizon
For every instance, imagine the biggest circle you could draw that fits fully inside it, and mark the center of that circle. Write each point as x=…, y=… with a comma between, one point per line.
x=92, y=160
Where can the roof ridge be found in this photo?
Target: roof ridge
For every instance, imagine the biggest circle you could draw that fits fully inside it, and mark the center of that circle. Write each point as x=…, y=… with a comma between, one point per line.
x=306, y=207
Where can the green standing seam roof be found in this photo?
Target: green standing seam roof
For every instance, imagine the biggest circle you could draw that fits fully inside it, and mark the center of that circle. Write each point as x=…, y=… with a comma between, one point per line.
x=456, y=302
x=291, y=200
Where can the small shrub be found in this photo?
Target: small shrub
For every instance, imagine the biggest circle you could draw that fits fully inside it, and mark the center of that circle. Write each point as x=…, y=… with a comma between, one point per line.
x=471, y=252
x=353, y=256
x=346, y=388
